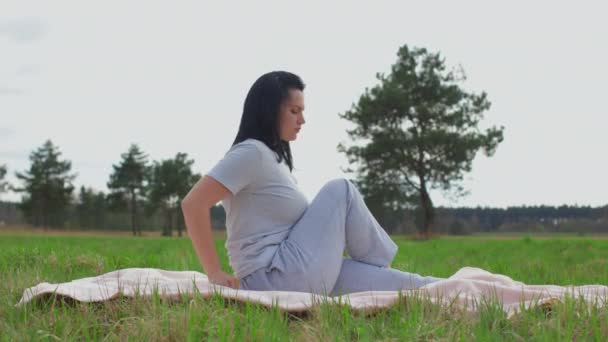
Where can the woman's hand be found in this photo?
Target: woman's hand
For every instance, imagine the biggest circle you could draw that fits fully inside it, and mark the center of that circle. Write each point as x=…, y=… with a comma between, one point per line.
x=224, y=279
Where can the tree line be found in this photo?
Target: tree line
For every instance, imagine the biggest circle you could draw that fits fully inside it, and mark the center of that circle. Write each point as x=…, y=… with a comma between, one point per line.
x=141, y=191
x=144, y=194
x=91, y=210
x=528, y=219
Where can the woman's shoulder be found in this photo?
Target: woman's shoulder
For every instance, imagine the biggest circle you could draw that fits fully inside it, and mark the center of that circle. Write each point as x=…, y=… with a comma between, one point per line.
x=252, y=144
x=252, y=149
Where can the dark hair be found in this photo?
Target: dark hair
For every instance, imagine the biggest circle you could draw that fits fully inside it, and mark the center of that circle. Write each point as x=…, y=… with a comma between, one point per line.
x=260, y=119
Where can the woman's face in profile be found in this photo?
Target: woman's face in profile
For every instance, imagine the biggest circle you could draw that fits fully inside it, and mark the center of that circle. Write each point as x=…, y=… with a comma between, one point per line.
x=291, y=115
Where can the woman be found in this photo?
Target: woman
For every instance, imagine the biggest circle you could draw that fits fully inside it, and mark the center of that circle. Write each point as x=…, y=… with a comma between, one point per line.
x=276, y=240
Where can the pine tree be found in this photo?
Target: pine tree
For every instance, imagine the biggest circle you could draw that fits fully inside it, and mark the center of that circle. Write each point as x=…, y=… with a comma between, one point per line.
x=47, y=186
x=4, y=185
x=170, y=180
x=91, y=208
x=416, y=131
x=128, y=181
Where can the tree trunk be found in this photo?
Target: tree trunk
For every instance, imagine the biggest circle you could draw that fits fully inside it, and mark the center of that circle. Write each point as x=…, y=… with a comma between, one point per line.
x=171, y=219
x=178, y=221
x=133, y=213
x=43, y=214
x=429, y=211
x=167, y=227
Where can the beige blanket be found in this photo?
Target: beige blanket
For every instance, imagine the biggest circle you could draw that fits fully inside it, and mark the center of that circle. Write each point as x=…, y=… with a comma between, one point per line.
x=468, y=288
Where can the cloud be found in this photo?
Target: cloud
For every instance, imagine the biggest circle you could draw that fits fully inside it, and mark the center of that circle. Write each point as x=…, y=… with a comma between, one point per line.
x=23, y=30
x=13, y=155
x=27, y=69
x=11, y=91
x=6, y=132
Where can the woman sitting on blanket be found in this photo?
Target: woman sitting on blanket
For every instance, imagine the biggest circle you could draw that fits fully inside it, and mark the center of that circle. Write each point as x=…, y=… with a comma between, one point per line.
x=276, y=239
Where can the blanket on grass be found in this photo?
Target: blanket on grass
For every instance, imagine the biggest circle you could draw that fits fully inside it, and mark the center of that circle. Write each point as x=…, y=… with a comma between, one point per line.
x=468, y=288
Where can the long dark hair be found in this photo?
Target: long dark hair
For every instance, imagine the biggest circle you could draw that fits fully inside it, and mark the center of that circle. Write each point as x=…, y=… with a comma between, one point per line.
x=260, y=119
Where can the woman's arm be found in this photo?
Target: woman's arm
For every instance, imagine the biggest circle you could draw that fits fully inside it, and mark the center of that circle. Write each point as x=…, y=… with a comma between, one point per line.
x=196, y=209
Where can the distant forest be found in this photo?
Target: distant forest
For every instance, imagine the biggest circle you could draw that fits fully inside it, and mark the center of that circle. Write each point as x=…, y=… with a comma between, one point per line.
x=533, y=219
x=454, y=221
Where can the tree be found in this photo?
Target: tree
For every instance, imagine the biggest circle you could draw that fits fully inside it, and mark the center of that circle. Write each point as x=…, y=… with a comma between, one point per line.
x=47, y=186
x=4, y=186
x=91, y=208
x=419, y=132
x=127, y=181
x=170, y=180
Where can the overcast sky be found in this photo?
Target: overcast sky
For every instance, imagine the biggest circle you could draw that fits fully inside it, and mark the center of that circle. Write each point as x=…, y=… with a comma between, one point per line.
x=172, y=77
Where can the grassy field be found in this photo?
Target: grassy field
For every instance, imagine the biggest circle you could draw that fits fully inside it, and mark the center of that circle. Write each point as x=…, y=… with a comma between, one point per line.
x=27, y=259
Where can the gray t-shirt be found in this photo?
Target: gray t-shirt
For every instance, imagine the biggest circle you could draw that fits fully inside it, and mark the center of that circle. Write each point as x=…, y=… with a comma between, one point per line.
x=265, y=202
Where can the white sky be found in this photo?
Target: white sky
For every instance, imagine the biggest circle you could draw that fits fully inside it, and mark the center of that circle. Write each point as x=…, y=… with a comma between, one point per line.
x=172, y=77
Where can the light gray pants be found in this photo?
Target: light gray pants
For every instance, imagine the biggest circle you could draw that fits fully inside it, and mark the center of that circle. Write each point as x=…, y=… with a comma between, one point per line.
x=311, y=258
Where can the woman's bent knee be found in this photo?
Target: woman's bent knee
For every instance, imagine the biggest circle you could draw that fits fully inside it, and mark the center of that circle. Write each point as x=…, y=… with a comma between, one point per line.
x=336, y=185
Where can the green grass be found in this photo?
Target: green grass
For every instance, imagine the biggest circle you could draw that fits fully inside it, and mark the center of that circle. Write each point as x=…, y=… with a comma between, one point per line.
x=26, y=260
